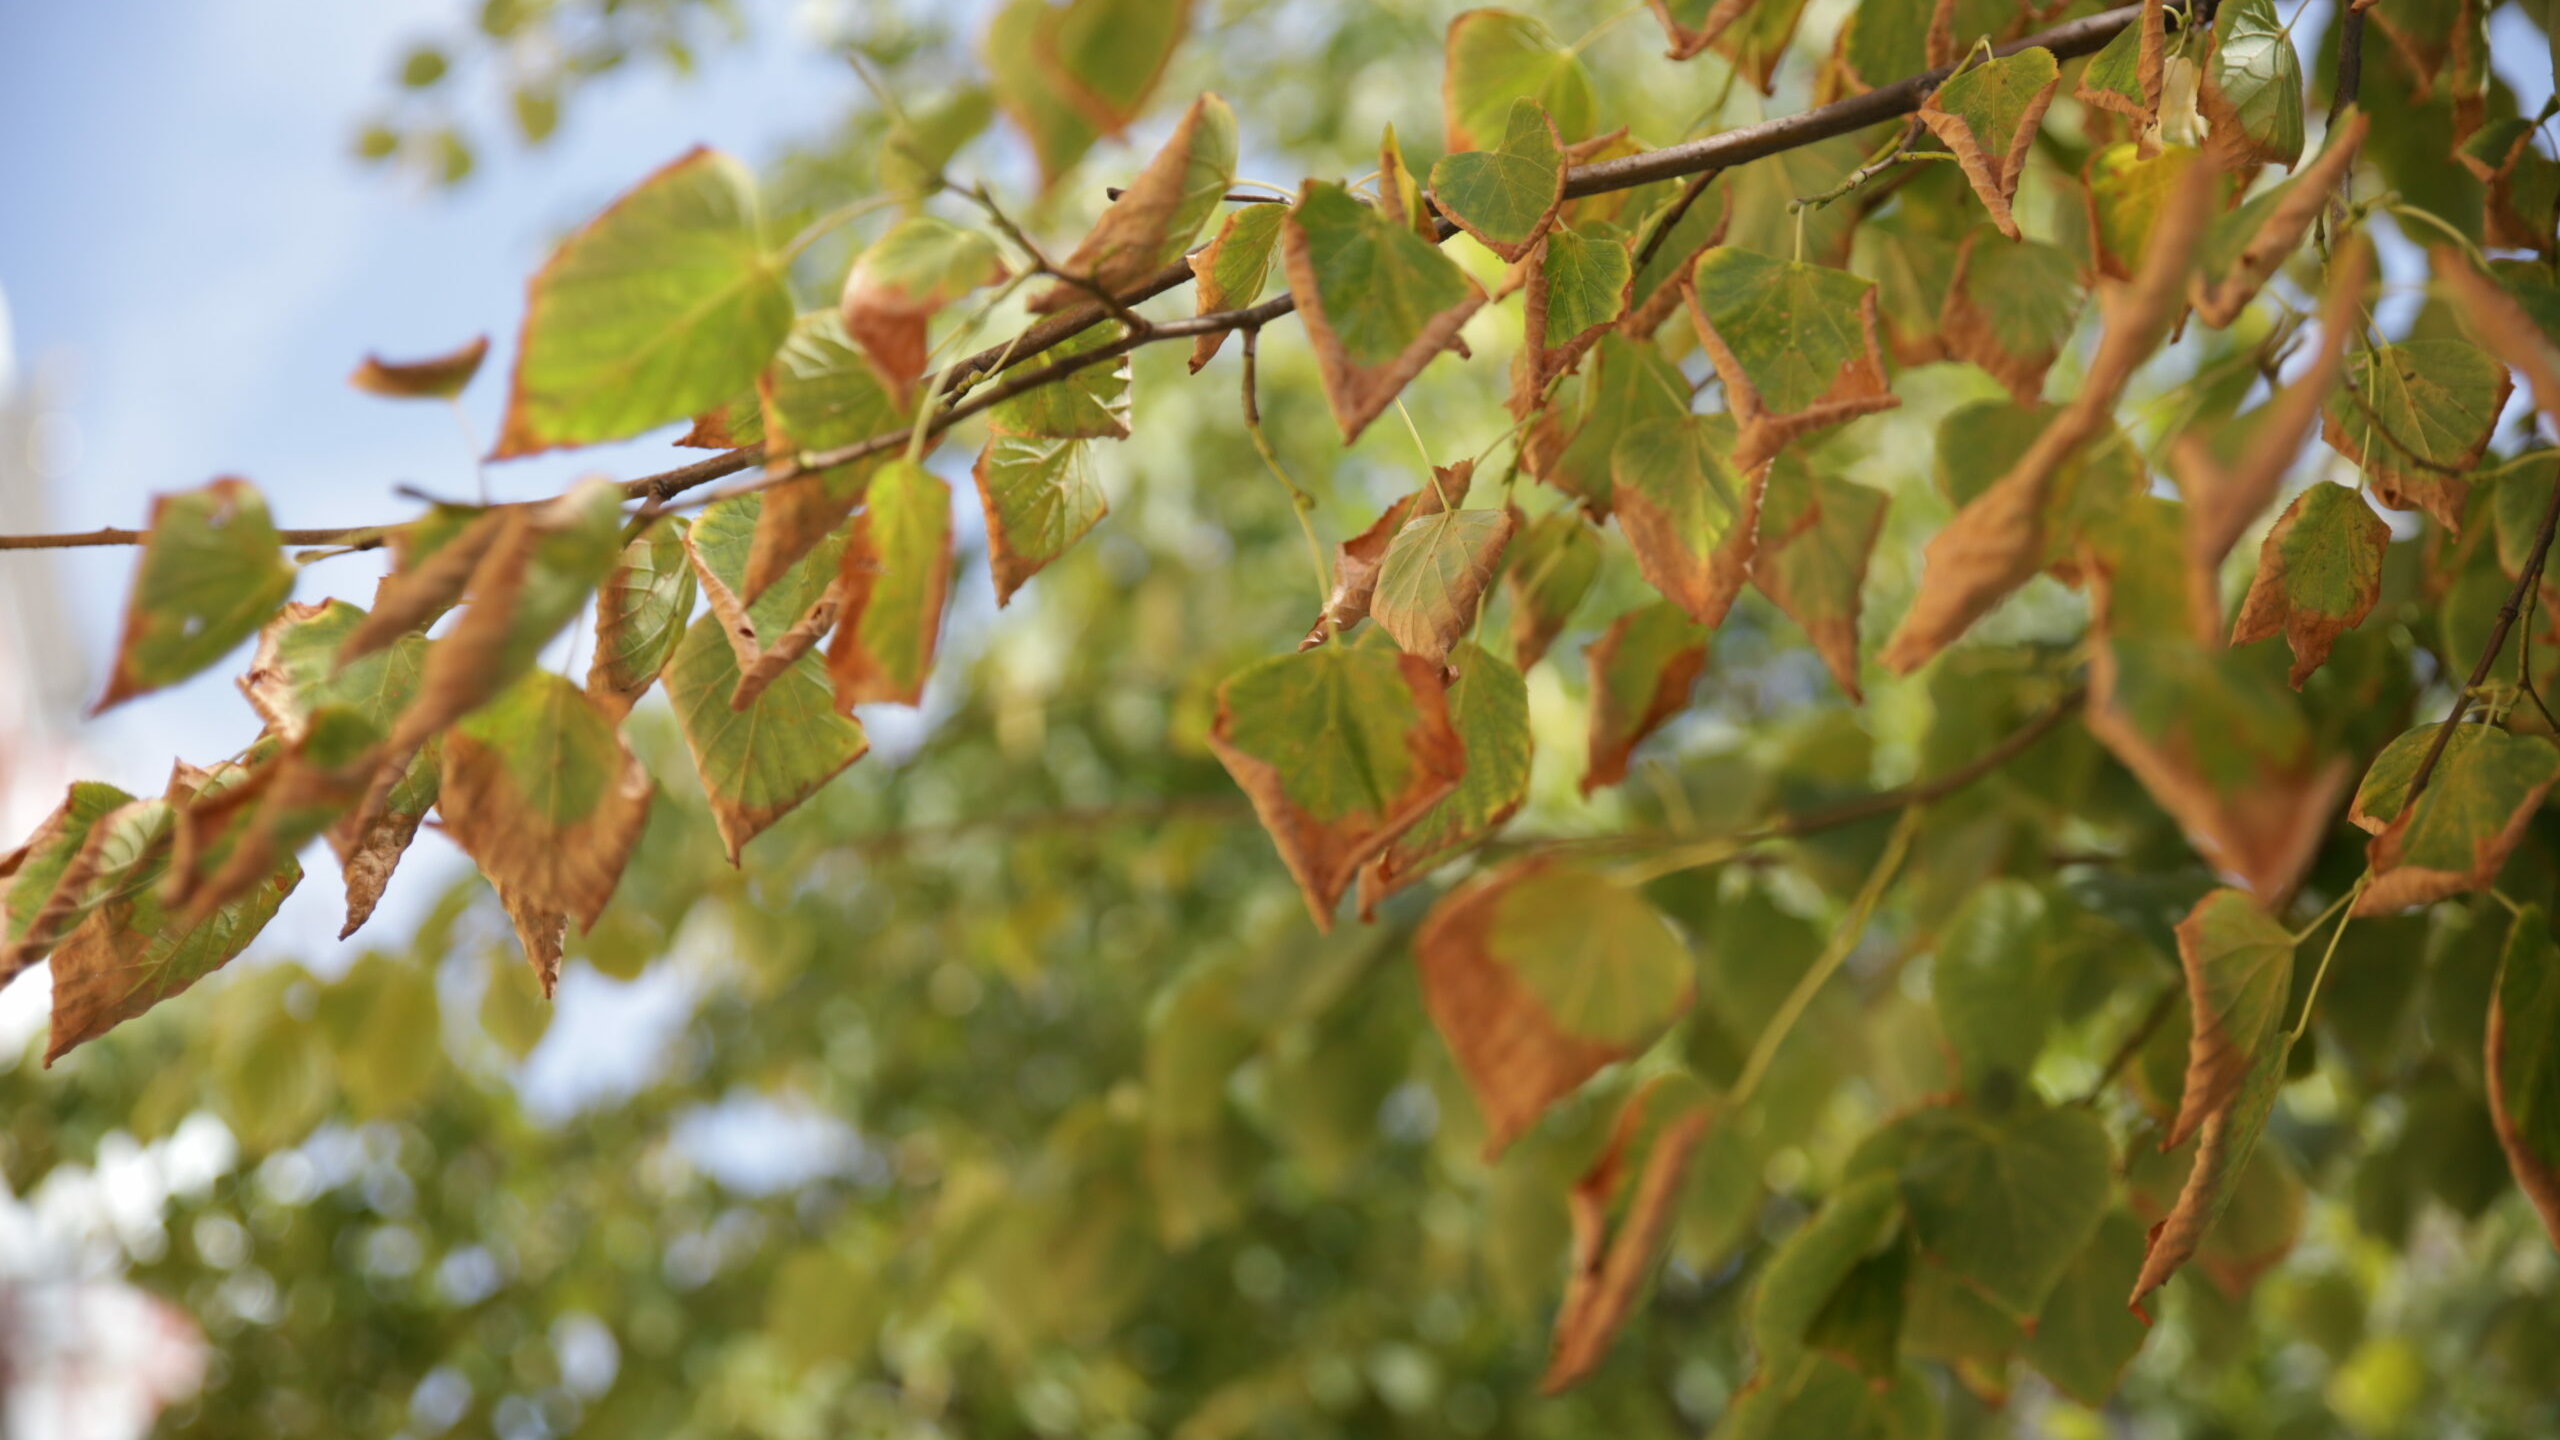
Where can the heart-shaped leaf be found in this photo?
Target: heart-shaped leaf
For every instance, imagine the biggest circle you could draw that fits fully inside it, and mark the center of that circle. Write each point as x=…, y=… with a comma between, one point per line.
x=1155, y=217
x=2484, y=790
x=1795, y=345
x=1040, y=496
x=2011, y=308
x=1690, y=519
x=1816, y=534
x=2319, y=573
x=2417, y=416
x=1435, y=571
x=1495, y=57
x=1378, y=300
x=1987, y=115
x=897, y=572
x=212, y=571
x=902, y=280
x=1578, y=287
x=2252, y=94
x=1508, y=196
x=642, y=609
x=1489, y=707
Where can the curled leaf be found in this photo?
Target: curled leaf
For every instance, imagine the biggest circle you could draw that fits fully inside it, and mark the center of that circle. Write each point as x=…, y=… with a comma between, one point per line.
x=1489, y=707
x=1434, y=575
x=818, y=394
x=1578, y=287
x=2484, y=791
x=902, y=280
x=1987, y=116
x=2523, y=1062
x=1040, y=496
x=642, y=609
x=897, y=572
x=1156, y=216
x=1229, y=272
x=439, y=377
x=1357, y=561
x=2252, y=90
x=1690, y=519
x=1622, y=1211
x=2126, y=77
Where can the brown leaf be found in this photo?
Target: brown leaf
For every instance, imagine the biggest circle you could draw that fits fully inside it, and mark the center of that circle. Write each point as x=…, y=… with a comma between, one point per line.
x=1687, y=43
x=369, y=845
x=1610, y=1266
x=1859, y=388
x=554, y=844
x=1646, y=315
x=411, y=597
x=1127, y=243
x=2279, y=233
x=891, y=590
x=2151, y=68
x=1994, y=176
x=1969, y=334
x=1436, y=571
x=1641, y=673
x=2503, y=328
x=112, y=968
x=544, y=934
x=1358, y=392
x=757, y=675
x=1356, y=561
x=440, y=377
x=2273, y=607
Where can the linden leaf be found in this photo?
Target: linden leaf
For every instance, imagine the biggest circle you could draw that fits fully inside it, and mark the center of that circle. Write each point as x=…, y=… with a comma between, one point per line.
x=1032, y=92
x=1398, y=196
x=1622, y=1209
x=1505, y=197
x=1578, y=287
x=1862, y=1221
x=134, y=952
x=2127, y=76
x=902, y=280
x=2484, y=791
x=642, y=609
x=1795, y=345
x=439, y=377
x=1662, y=276
x=1495, y=57
x=211, y=573
x=2247, y=246
x=1435, y=571
x=1758, y=38
x=2523, y=1062
x=664, y=306
x=721, y=543
x=1693, y=25
x=1538, y=975
x=1107, y=55
x=34, y=871
x=1816, y=534
x=897, y=572
x=1341, y=750
x=2524, y=184
x=1691, y=520
x=2239, y=969
x=1641, y=671
x=1229, y=272
x=2415, y=417
x=1987, y=116
x=1088, y=404
x=1552, y=566
x=1627, y=383
x=819, y=394
x=546, y=799
x=1358, y=560
x=1156, y=216
x=2013, y=312
x=2084, y=1338
x=1882, y=41
x=433, y=569
x=1040, y=496
x=2128, y=192
x=922, y=142
x=1913, y=268
x=1993, y=983
x=2252, y=94
x=2319, y=574
x=2005, y=1203
x=1489, y=707
x=1378, y=300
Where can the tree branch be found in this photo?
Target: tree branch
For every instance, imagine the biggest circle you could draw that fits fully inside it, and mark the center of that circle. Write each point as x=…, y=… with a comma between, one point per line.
x=1721, y=151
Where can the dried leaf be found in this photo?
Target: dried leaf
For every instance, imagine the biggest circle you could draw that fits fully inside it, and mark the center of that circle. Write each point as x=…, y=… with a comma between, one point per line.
x=428, y=582
x=1488, y=705
x=1538, y=975
x=1378, y=300
x=1987, y=115
x=1690, y=519
x=818, y=394
x=1622, y=1210
x=1357, y=561
x=2247, y=246
x=1156, y=216
x=1795, y=345
x=642, y=609
x=2252, y=92
x=2011, y=311
x=1578, y=287
x=133, y=952
x=2319, y=573
x=2127, y=76
x=438, y=378
x=1506, y=197
x=902, y=280
x=1816, y=534
x=1552, y=566
x=897, y=572
x=35, y=871
x=1641, y=671
x=1229, y=272
x=1435, y=572
x=2484, y=791
x=211, y=573
x=2415, y=417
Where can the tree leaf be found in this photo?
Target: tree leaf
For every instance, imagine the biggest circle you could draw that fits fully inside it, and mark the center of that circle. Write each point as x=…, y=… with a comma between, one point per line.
x=1435, y=571
x=1816, y=534
x=1552, y=567
x=1032, y=92
x=1995, y=991
x=134, y=952
x=1398, y=196
x=2085, y=1337
x=642, y=609
x=2523, y=1062
x=2128, y=75
x=1795, y=345
x=211, y=573
x=664, y=306
x=1538, y=975
x=2483, y=793
x=1496, y=57
x=1358, y=561
x=1860, y=1222
x=897, y=572
x=1913, y=268
x=921, y=142
x=2004, y=1203
x=545, y=798
x=2247, y=246
x=2128, y=192
x=2012, y=313
x=1758, y=39
x=1489, y=708
x=1040, y=496
x=902, y=280
x=1229, y=272
x=1378, y=300
x=1341, y=750
x=35, y=871
x=1107, y=55
x=2252, y=95
x=1641, y=671
x=432, y=572
x=1089, y=404
x=1988, y=115
x=2523, y=183
x=1578, y=287
x=2319, y=573
x=721, y=543
x=1626, y=383
x=1692, y=521
x=1160, y=211
x=2414, y=417
x=2239, y=967
x=1622, y=1209
x=1506, y=197
x=818, y=394
x=439, y=377
x=1693, y=25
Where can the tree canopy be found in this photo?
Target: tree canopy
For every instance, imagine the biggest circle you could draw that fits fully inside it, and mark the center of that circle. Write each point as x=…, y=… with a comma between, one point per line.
x=1843, y=733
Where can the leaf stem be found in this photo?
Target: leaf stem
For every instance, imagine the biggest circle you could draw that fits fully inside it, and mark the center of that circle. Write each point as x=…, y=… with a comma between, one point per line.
x=1844, y=940
x=2412, y=212
x=2312, y=997
x=1301, y=503
x=834, y=219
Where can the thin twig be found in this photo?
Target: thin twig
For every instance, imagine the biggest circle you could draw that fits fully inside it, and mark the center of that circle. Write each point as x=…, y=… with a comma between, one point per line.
x=1040, y=262
x=2532, y=575
x=1679, y=210
x=2134, y=1040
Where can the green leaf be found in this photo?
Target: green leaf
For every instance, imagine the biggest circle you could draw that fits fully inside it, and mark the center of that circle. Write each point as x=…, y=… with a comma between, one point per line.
x=1489, y=707
x=1506, y=197
x=2239, y=969
x=1089, y=404
x=2085, y=1337
x=2484, y=790
x=1552, y=565
x=212, y=571
x=890, y=297
x=1040, y=496
x=722, y=542
x=819, y=394
x=2127, y=75
x=1539, y=975
x=2127, y=192
x=2319, y=573
x=1341, y=750
x=1987, y=115
x=439, y=377
x=1816, y=535
x=36, y=869
x=2011, y=309
x=1378, y=300
x=2252, y=95
x=2517, y=502
x=641, y=612
x=2524, y=1062
x=1577, y=287
x=1862, y=1221
x=1691, y=520
x=1979, y=443
x=1995, y=982
x=1107, y=55
x=1155, y=217
x=1661, y=279
x=1030, y=92
x=1435, y=572
x=2414, y=416
x=1626, y=383
x=1641, y=671
x=664, y=306
x=1229, y=272
x=1914, y=269
x=897, y=572
x=1496, y=57
x=1795, y=345
x=922, y=142
x=1814, y=1395
x=2004, y=1203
